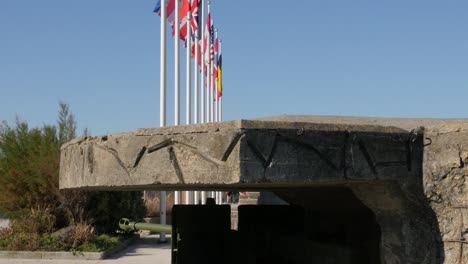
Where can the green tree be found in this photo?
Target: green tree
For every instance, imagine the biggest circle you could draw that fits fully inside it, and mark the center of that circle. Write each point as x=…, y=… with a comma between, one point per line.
x=66, y=124
x=29, y=163
x=29, y=178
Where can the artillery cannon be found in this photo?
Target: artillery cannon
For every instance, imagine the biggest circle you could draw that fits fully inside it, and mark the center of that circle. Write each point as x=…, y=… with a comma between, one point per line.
x=126, y=225
x=203, y=234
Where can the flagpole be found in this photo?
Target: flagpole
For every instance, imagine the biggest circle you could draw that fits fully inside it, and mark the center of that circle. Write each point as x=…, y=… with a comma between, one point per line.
x=221, y=83
x=211, y=78
x=208, y=92
x=188, y=97
x=211, y=91
x=215, y=103
x=188, y=79
x=208, y=73
x=202, y=76
x=208, y=85
x=195, y=88
x=208, y=79
x=218, y=102
x=215, y=85
x=176, y=79
x=162, y=108
x=195, y=76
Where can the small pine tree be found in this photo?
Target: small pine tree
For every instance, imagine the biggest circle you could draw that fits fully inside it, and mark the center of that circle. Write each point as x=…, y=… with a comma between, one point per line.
x=66, y=123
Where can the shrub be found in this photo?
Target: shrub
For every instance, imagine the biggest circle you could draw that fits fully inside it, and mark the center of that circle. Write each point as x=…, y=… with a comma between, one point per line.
x=29, y=178
x=106, y=209
x=29, y=231
x=29, y=163
x=24, y=234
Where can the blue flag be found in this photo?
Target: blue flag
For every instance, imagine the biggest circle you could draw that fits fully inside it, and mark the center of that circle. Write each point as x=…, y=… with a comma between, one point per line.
x=157, y=9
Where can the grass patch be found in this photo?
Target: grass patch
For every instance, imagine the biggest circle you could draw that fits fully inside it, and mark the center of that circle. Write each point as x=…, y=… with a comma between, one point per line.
x=47, y=242
x=101, y=243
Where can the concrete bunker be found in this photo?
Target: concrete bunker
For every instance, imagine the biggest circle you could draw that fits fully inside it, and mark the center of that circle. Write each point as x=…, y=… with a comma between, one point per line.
x=396, y=187
x=338, y=227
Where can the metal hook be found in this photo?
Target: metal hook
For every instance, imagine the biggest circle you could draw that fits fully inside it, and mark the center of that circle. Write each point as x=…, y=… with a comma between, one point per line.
x=300, y=131
x=430, y=142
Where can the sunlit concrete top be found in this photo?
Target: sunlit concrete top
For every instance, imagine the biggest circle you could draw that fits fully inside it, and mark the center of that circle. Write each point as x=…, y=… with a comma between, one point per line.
x=282, y=151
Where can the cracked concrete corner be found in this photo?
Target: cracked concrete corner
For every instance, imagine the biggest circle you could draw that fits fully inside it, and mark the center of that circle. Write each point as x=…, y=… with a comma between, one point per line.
x=131, y=159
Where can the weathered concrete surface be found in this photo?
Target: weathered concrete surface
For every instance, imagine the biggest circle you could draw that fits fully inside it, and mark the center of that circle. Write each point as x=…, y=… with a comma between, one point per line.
x=242, y=153
x=410, y=172
x=445, y=180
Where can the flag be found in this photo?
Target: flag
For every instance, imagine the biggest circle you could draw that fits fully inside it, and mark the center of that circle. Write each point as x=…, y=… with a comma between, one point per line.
x=215, y=67
x=170, y=14
x=195, y=22
x=199, y=52
x=215, y=60
x=195, y=18
x=206, y=39
x=184, y=16
x=211, y=40
x=157, y=8
x=220, y=74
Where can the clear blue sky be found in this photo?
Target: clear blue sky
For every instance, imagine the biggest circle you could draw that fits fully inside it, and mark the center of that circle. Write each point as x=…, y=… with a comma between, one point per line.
x=394, y=58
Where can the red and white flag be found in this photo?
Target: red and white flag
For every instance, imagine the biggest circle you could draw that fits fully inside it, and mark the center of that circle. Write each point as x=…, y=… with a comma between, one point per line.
x=184, y=17
x=195, y=30
x=206, y=39
x=215, y=60
x=171, y=13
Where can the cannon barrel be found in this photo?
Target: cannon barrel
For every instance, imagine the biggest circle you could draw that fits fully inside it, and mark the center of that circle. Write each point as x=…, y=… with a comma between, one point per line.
x=126, y=225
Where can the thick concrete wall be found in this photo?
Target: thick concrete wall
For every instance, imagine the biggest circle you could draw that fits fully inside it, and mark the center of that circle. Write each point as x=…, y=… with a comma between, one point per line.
x=151, y=159
x=411, y=175
x=237, y=154
x=445, y=182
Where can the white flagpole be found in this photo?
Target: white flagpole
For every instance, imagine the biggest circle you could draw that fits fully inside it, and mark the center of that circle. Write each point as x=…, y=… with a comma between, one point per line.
x=176, y=79
x=211, y=91
x=211, y=83
x=208, y=85
x=208, y=93
x=162, y=108
x=215, y=86
x=204, y=116
x=220, y=98
x=188, y=97
x=195, y=76
x=202, y=75
x=215, y=106
x=195, y=89
x=208, y=79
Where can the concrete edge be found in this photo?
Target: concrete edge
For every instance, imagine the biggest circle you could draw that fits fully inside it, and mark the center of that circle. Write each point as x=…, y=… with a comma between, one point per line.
x=66, y=254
